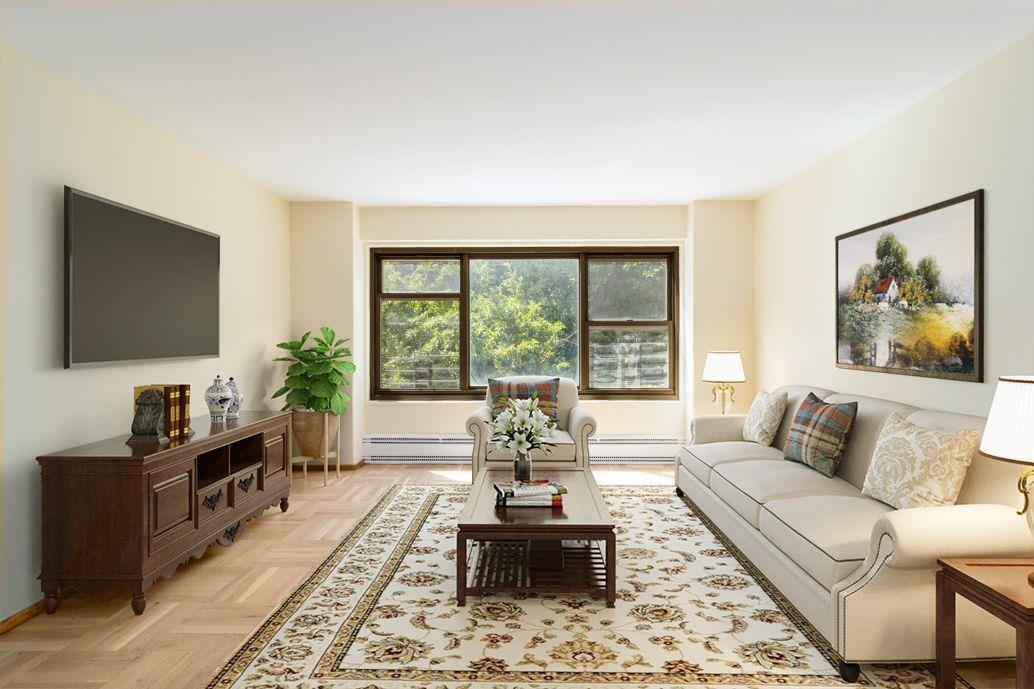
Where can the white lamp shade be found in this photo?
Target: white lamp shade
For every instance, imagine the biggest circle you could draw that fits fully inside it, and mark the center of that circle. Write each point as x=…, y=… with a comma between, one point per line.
x=1009, y=433
x=723, y=367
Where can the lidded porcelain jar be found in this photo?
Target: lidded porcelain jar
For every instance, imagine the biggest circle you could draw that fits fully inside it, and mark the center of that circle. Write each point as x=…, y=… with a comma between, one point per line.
x=218, y=398
x=236, y=400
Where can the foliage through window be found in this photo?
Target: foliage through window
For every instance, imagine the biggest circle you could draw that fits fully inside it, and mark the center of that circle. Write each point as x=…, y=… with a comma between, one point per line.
x=444, y=322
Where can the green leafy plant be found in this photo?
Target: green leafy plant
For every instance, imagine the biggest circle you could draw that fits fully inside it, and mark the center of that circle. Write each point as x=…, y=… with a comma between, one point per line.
x=317, y=373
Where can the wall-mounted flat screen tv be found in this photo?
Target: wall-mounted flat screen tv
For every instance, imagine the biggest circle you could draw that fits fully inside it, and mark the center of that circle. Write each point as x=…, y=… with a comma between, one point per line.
x=137, y=286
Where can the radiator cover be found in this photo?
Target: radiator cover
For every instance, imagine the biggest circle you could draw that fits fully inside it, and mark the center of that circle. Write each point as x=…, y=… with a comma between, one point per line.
x=418, y=448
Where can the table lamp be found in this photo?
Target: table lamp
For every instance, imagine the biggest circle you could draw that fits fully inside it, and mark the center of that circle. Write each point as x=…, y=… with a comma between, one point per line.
x=723, y=367
x=1009, y=433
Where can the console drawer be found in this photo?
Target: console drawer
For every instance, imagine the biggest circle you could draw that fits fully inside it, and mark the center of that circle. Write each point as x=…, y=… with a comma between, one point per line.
x=247, y=484
x=213, y=500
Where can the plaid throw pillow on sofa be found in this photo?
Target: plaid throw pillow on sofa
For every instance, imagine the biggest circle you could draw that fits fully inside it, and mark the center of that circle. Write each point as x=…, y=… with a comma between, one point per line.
x=548, y=392
x=819, y=434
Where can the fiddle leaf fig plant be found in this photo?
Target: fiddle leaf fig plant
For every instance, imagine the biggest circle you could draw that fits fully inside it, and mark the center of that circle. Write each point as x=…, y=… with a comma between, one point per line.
x=317, y=373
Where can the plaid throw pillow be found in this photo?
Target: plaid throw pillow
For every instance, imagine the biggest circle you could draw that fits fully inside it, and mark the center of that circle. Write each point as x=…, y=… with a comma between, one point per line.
x=819, y=434
x=548, y=392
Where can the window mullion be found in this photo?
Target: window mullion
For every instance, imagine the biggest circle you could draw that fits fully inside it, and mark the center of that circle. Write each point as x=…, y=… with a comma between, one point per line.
x=583, y=321
x=464, y=322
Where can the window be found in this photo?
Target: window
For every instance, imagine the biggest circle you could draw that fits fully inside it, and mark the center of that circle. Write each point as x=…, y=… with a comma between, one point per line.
x=628, y=297
x=444, y=322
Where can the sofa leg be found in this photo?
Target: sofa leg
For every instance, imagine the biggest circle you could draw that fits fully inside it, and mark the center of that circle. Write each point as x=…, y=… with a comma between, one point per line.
x=679, y=492
x=849, y=672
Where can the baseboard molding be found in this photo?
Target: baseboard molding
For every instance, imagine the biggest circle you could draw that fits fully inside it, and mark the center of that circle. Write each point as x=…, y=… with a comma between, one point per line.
x=420, y=448
x=23, y=616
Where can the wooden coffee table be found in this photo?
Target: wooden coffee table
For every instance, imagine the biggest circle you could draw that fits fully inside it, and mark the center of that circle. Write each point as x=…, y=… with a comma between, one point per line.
x=536, y=549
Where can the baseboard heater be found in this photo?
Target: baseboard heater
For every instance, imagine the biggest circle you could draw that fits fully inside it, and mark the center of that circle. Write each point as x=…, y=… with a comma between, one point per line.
x=415, y=448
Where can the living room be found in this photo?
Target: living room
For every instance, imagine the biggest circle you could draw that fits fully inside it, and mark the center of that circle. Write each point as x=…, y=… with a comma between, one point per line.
x=740, y=285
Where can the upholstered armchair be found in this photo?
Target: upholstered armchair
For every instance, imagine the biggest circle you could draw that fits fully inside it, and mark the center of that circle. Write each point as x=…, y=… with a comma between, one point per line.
x=574, y=428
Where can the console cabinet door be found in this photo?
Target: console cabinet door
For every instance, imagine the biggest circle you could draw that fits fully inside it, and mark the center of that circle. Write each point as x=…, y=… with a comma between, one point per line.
x=171, y=503
x=276, y=451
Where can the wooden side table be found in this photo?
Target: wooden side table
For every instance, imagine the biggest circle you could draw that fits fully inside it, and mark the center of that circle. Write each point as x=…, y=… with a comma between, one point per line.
x=998, y=586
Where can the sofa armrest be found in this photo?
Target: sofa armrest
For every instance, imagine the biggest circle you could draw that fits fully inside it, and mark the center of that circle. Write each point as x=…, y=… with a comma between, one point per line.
x=581, y=424
x=921, y=535
x=716, y=428
x=477, y=425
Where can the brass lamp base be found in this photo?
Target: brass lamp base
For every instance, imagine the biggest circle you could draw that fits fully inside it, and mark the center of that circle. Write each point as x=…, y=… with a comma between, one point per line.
x=724, y=389
x=1025, y=490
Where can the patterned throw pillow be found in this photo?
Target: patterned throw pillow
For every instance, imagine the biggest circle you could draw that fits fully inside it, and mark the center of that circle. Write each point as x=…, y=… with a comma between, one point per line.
x=819, y=434
x=548, y=392
x=763, y=418
x=913, y=466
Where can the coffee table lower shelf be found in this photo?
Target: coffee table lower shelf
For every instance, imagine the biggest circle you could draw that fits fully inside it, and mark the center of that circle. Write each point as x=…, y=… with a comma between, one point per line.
x=512, y=567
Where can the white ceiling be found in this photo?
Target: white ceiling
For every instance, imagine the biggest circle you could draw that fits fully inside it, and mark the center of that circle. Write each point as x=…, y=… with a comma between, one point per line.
x=518, y=102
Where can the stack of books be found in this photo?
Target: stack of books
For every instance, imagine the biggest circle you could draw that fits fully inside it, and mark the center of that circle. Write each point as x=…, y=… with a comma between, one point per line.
x=539, y=493
x=177, y=408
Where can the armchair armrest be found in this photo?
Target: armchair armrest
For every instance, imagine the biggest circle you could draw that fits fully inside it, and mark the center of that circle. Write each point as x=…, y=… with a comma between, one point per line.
x=581, y=425
x=716, y=428
x=477, y=424
x=921, y=535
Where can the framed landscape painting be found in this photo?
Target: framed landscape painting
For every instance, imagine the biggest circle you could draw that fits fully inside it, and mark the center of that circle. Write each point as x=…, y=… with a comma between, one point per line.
x=910, y=293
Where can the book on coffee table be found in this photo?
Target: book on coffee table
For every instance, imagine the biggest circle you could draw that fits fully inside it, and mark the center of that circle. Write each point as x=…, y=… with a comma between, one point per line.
x=526, y=489
x=531, y=501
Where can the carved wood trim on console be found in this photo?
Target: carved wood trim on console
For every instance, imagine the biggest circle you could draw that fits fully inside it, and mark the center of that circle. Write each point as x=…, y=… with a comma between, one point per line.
x=183, y=496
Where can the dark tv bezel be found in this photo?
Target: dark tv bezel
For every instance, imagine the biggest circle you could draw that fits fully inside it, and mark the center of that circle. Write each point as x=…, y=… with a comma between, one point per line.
x=69, y=195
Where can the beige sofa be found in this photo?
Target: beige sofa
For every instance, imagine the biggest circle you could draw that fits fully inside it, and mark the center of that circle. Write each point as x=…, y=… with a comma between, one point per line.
x=575, y=426
x=860, y=571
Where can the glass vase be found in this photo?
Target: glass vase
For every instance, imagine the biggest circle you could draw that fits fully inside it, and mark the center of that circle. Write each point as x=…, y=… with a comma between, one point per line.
x=521, y=466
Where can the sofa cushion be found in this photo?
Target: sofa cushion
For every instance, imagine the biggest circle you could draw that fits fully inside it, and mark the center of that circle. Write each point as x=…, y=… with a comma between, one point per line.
x=820, y=433
x=746, y=486
x=563, y=452
x=826, y=535
x=699, y=460
x=988, y=480
x=914, y=466
x=567, y=395
x=547, y=391
x=795, y=394
x=872, y=412
x=764, y=416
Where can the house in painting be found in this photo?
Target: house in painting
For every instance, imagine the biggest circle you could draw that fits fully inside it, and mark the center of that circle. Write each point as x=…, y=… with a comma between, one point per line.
x=886, y=290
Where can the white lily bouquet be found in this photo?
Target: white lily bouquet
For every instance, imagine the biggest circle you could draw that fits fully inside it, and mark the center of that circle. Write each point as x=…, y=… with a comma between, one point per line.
x=522, y=427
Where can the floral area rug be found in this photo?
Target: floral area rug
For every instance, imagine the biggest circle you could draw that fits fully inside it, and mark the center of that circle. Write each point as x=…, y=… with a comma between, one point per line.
x=381, y=612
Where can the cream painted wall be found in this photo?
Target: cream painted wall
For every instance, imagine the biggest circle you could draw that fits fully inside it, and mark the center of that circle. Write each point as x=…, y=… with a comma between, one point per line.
x=513, y=226
x=977, y=132
x=723, y=294
x=5, y=208
x=63, y=134
x=322, y=286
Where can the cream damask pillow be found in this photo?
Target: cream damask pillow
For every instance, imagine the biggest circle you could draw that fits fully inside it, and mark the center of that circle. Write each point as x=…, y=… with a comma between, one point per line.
x=763, y=418
x=913, y=466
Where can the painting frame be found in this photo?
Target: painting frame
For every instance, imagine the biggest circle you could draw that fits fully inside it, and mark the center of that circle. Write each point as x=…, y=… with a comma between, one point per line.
x=977, y=373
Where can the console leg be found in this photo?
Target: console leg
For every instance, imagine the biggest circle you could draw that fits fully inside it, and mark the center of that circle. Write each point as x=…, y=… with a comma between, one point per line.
x=849, y=672
x=139, y=603
x=679, y=492
x=284, y=504
x=50, y=602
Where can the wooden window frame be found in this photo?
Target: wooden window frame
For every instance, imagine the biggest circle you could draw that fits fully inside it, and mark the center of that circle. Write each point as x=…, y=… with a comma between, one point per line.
x=670, y=254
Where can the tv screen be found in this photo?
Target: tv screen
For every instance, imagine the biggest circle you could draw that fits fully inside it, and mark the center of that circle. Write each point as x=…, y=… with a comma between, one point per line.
x=137, y=286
